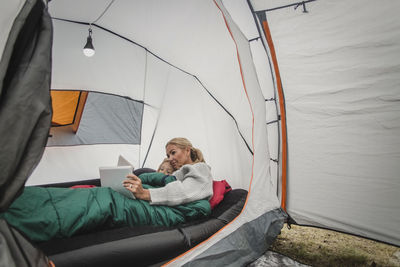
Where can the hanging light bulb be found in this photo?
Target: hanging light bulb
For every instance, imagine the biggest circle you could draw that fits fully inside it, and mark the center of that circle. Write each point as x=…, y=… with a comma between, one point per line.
x=88, y=49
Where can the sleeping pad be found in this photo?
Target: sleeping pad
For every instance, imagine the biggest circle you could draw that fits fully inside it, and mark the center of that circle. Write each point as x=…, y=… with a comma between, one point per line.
x=46, y=213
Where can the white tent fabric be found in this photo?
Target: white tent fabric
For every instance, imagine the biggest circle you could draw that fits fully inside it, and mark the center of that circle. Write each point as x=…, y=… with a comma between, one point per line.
x=203, y=70
x=8, y=14
x=125, y=70
x=340, y=68
x=74, y=163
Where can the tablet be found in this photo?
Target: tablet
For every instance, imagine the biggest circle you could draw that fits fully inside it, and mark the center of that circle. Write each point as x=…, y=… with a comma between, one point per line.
x=114, y=176
x=123, y=161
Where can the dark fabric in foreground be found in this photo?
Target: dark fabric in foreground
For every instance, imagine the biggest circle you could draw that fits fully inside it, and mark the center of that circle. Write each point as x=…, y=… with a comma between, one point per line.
x=25, y=104
x=46, y=213
x=16, y=250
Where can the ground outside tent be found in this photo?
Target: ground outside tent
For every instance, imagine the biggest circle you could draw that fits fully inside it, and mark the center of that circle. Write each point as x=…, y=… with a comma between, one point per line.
x=271, y=258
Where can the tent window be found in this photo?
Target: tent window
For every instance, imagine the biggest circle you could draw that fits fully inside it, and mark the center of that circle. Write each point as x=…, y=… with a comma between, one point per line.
x=101, y=118
x=67, y=108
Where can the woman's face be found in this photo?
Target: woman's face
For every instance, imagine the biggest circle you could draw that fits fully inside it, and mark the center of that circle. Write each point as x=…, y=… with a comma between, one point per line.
x=178, y=156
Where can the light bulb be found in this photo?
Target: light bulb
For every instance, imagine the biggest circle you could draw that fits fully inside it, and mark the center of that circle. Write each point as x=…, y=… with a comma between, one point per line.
x=88, y=49
x=88, y=52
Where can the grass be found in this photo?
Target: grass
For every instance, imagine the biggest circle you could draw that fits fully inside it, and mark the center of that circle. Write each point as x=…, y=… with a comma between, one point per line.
x=318, y=247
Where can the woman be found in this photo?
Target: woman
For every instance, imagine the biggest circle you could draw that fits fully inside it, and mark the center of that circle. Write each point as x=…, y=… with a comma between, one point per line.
x=193, y=177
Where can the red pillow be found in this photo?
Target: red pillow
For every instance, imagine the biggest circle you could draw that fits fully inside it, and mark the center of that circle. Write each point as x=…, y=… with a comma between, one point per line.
x=220, y=188
x=82, y=186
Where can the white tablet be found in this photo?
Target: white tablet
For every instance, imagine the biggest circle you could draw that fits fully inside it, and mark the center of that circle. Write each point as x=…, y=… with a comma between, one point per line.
x=114, y=176
x=123, y=161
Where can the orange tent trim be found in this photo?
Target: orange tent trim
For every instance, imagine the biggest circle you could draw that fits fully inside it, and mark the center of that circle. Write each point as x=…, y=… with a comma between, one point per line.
x=267, y=33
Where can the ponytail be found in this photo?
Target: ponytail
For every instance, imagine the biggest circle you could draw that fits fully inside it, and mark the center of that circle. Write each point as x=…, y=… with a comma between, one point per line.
x=196, y=155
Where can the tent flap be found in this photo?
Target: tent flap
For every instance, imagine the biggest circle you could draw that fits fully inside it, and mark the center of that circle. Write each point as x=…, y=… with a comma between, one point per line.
x=17, y=251
x=25, y=106
x=244, y=245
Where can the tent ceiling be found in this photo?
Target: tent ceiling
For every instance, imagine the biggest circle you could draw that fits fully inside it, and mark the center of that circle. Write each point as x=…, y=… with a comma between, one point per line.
x=149, y=23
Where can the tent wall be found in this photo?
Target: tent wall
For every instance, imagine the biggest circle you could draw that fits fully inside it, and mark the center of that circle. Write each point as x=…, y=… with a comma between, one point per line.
x=123, y=73
x=261, y=216
x=156, y=84
x=240, y=11
x=9, y=13
x=340, y=66
x=75, y=163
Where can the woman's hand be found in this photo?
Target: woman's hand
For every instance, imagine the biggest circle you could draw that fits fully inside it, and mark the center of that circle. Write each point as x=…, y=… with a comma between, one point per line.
x=134, y=184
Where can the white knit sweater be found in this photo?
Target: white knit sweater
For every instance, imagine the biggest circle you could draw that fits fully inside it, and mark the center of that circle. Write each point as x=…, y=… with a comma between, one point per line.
x=193, y=182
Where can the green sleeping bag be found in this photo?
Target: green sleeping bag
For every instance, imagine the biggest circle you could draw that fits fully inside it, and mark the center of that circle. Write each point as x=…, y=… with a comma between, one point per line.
x=46, y=213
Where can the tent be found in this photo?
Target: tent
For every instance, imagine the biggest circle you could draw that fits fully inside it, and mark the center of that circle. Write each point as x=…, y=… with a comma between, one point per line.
x=296, y=102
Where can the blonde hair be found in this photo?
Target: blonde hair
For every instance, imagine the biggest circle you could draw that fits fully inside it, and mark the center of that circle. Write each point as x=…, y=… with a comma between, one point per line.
x=166, y=160
x=195, y=154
